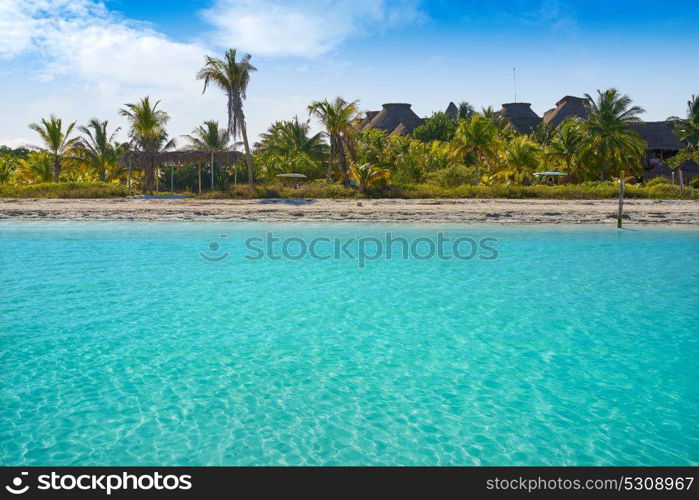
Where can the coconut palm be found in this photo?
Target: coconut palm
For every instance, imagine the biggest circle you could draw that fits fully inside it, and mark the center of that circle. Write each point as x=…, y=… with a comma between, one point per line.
x=98, y=148
x=208, y=137
x=56, y=141
x=477, y=137
x=367, y=175
x=147, y=132
x=517, y=160
x=338, y=118
x=688, y=129
x=609, y=144
x=8, y=166
x=563, y=148
x=288, y=147
x=232, y=77
x=37, y=167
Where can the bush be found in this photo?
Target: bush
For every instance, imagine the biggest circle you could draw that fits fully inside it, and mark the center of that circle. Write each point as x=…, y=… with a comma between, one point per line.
x=655, y=181
x=65, y=190
x=314, y=190
x=453, y=176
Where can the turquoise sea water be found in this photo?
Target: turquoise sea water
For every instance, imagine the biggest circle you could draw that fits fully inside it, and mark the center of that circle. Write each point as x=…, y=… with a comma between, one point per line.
x=121, y=345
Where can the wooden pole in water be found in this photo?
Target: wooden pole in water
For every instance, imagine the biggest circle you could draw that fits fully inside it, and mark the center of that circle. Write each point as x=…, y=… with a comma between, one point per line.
x=621, y=200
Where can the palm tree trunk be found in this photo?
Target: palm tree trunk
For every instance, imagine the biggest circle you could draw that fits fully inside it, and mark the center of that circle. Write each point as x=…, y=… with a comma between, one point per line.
x=56, y=168
x=329, y=175
x=248, y=156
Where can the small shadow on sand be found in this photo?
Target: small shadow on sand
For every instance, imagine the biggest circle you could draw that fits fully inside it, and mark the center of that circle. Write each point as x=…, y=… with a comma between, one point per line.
x=287, y=201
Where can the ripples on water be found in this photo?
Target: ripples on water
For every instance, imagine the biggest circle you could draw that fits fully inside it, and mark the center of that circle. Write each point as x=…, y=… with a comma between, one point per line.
x=122, y=346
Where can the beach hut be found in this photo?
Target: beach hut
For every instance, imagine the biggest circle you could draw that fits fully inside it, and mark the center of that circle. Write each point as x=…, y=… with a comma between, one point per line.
x=368, y=116
x=394, y=114
x=566, y=107
x=150, y=162
x=452, y=111
x=520, y=116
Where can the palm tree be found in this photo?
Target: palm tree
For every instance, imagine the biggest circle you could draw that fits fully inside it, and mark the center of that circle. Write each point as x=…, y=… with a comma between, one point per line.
x=338, y=117
x=688, y=129
x=478, y=137
x=208, y=137
x=36, y=167
x=98, y=147
x=57, y=141
x=147, y=132
x=563, y=149
x=232, y=77
x=609, y=144
x=518, y=160
x=367, y=175
x=288, y=147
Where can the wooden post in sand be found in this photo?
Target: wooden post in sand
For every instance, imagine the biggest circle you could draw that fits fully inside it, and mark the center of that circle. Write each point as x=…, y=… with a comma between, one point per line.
x=172, y=179
x=621, y=200
x=212, y=171
x=128, y=177
x=681, y=181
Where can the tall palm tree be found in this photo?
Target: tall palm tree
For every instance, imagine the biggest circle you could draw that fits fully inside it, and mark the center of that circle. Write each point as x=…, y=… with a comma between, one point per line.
x=477, y=137
x=338, y=118
x=688, y=129
x=98, y=147
x=232, y=77
x=208, y=137
x=56, y=141
x=147, y=132
x=609, y=144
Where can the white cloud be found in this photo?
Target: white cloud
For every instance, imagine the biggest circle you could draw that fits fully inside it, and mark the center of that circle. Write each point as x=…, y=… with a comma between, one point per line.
x=305, y=28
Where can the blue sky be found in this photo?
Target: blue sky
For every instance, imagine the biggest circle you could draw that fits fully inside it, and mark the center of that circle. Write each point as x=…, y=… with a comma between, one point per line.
x=84, y=58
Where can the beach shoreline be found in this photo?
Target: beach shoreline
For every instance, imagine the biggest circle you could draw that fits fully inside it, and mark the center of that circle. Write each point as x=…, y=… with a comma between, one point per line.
x=459, y=211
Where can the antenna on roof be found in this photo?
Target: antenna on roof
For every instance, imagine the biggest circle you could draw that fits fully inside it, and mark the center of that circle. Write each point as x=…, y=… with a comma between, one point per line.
x=514, y=81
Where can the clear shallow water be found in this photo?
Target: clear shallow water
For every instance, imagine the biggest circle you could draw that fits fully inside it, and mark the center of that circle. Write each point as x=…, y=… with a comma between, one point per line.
x=120, y=345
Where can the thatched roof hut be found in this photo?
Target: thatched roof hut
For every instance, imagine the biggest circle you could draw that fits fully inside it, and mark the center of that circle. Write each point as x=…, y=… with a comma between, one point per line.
x=520, y=116
x=368, y=116
x=568, y=106
x=452, y=111
x=394, y=114
x=658, y=135
x=690, y=170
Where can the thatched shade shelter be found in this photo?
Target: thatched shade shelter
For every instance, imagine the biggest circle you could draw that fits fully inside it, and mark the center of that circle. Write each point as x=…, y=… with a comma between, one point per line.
x=148, y=162
x=520, y=116
x=567, y=107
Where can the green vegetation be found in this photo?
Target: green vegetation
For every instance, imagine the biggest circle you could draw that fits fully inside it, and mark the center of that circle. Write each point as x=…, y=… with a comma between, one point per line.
x=65, y=190
x=454, y=154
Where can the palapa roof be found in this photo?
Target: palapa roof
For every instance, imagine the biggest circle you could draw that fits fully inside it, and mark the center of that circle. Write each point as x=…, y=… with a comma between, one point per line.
x=368, y=116
x=452, y=111
x=138, y=159
x=394, y=114
x=658, y=135
x=520, y=116
x=568, y=106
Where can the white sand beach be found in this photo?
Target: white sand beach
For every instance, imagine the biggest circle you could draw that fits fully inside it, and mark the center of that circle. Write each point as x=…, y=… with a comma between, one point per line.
x=384, y=210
